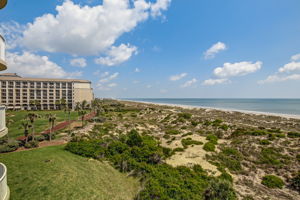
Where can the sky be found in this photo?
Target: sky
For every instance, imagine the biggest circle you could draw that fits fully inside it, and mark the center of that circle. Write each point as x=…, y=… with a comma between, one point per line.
x=159, y=48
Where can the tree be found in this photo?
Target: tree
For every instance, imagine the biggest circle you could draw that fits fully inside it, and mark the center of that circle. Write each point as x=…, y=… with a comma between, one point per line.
x=57, y=104
x=37, y=104
x=51, y=119
x=25, y=125
x=84, y=104
x=32, y=117
x=82, y=114
x=31, y=103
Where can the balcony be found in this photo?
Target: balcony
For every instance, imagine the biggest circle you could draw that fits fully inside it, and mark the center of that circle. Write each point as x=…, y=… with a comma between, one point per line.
x=4, y=189
x=3, y=65
x=3, y=129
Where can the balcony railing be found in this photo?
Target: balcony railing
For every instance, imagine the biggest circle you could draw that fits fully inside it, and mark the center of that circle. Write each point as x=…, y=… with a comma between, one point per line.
x=4, y=189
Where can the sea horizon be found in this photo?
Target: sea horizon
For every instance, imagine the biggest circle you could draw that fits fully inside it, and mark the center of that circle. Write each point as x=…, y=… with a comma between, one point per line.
x=285, y=106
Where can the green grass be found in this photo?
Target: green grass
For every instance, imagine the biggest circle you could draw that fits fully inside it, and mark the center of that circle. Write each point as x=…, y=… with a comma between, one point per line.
x=15, y=117
x=65, y=176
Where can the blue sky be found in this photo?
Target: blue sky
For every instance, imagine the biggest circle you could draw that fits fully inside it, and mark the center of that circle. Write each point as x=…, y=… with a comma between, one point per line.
x=159, y=48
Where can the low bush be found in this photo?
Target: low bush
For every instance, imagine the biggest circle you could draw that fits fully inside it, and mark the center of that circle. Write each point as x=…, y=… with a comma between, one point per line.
x=209, y=146
x=32, y=144
x=187, y=134
x=293, y=134
x=272, y=156
x=272, y=181
x=172, y=132
x=142, y=155
x=212, y=138
x=264, y=142
x=295, y=182
x=188, y=141
x=185, y=115
x=230, y=158
x=219, y=190
x=10, y=146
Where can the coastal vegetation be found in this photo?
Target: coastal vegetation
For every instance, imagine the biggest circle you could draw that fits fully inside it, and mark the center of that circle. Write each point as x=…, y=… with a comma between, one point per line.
x=180, y=153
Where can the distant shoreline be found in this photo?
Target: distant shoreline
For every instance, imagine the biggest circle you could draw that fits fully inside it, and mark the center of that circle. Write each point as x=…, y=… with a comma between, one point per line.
x=287, y=116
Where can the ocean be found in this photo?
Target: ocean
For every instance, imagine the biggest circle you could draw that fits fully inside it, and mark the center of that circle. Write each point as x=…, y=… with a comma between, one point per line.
x=276, y=106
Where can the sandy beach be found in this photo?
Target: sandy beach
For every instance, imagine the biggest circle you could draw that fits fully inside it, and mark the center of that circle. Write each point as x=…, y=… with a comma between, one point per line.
x=287, y=116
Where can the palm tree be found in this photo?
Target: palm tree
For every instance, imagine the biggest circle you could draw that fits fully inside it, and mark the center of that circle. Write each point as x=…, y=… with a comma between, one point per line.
x=31, y=103
x=51, y=119
x=25, y=125
x=32, y=117
x=37, y=104
x=58, y=105
x=84, y=104
x=82, y=113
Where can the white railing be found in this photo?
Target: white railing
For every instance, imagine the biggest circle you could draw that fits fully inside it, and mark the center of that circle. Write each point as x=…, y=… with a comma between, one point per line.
x=4, y=189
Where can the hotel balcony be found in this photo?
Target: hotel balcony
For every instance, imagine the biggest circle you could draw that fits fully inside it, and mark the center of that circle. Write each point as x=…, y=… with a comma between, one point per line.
x=3, y=129
x=3, y=65
x=4, y=189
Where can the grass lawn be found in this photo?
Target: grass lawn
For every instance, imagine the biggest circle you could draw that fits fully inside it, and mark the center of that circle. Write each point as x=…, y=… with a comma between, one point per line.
x=15, y=117
x=53, y=173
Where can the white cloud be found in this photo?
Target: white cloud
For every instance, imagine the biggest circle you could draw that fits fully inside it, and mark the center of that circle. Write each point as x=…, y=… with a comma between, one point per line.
x=163, y=91
x=12, y=32
x=137, y=70
x=280, y=78
x=112, y=85
x=29, y=64
x=290, y=67
x=88, y=30
x=215, y=81
x=135, y=82
x=104, y=83
x=189, y=83
x=148, y=86
x=78, y=62
x=117, y=55
x=214, y=49
x=159, y=6
x=177, y=77
x=109, y=78
x=237, y=69
x=295, y=57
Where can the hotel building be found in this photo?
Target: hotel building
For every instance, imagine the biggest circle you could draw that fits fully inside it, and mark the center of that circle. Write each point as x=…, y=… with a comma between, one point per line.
x=42, y=93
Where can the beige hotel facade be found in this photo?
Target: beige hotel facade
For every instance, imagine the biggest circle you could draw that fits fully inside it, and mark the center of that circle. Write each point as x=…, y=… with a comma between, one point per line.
x=21, y=93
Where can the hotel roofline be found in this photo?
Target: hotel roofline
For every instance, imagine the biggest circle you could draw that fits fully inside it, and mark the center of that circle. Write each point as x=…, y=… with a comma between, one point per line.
x=15, y=77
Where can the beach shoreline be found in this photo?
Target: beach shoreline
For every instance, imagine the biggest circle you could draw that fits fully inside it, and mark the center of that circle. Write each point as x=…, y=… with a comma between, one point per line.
x=287, y=116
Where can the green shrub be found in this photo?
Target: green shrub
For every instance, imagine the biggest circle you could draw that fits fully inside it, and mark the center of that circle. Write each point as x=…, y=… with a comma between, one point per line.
x=32, y=144
x=172, y=132
x=187, y=134
x=142, y=155
x=295, y=182
x=298, y=157
x=194, y=123
x=40, y=138
x=272, y=181
x=293, y=134
x=212, y=138
x=224, y=127
x=209, y=146
x=166, y=136
x=219, y=190
x=217, y=122
x=178, y=149
x=10, y=146
x=230, y=158
x=272, y=156
x=264, y=142
x=185, y=115
x=188, y=141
